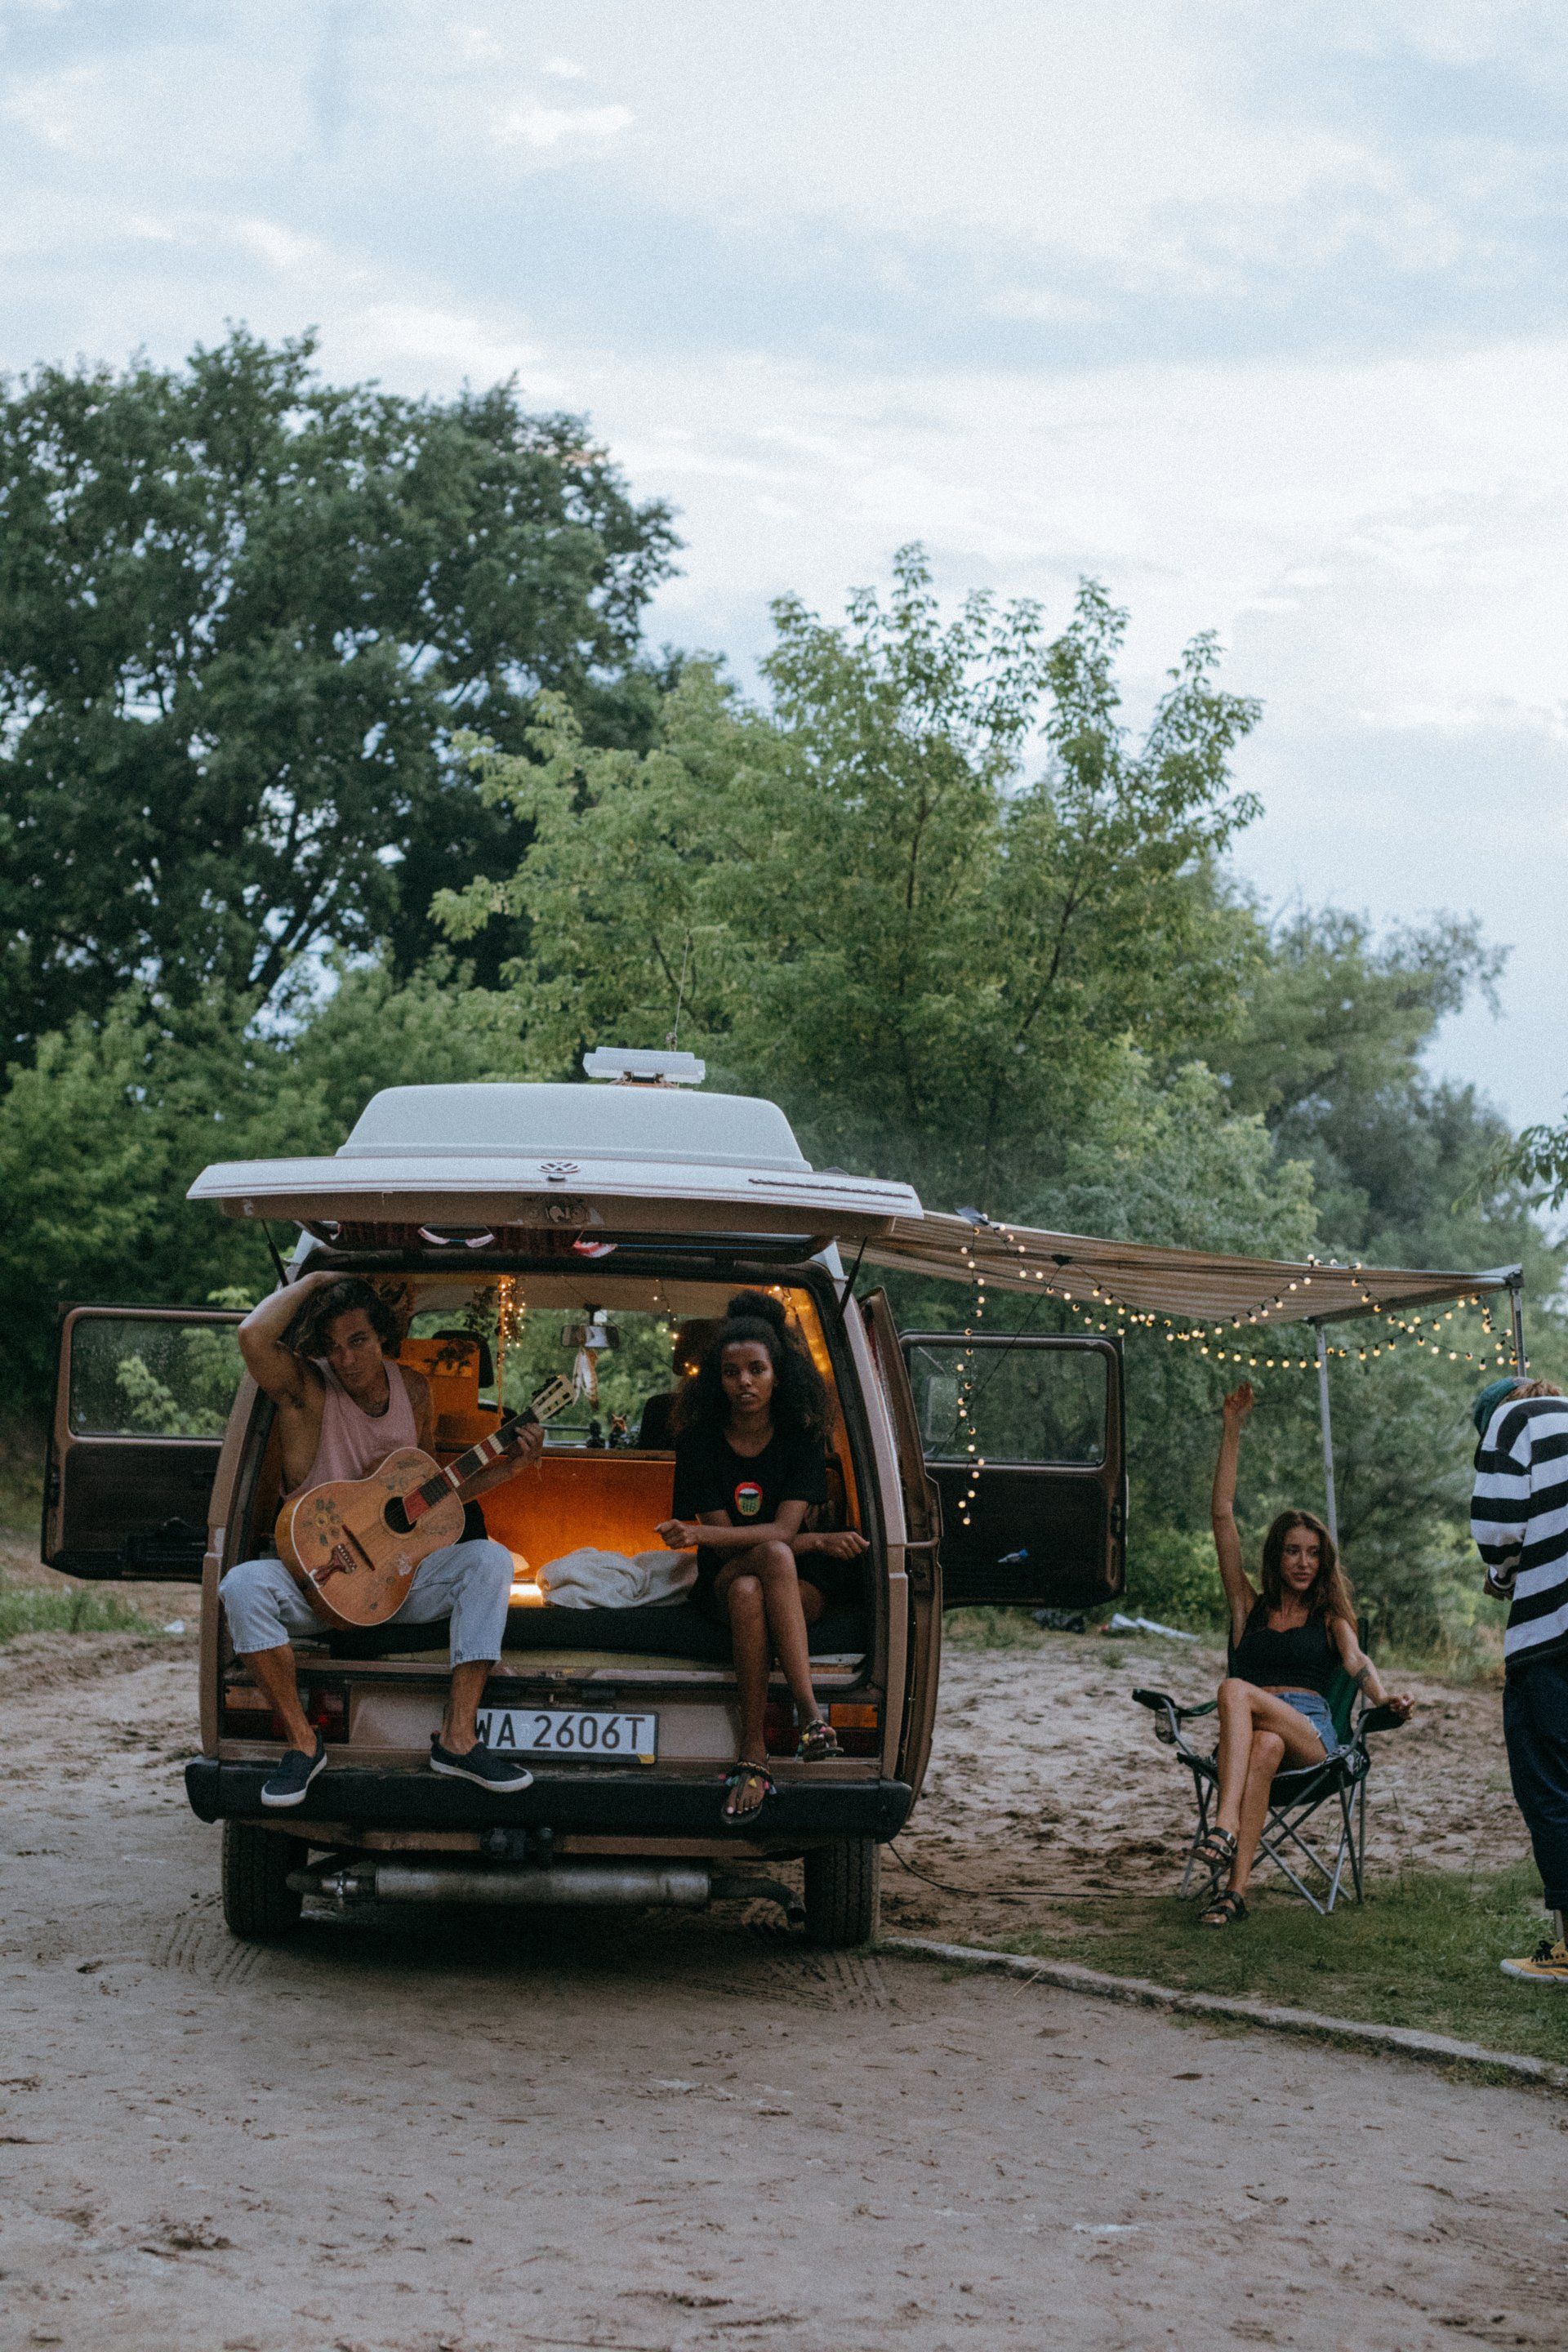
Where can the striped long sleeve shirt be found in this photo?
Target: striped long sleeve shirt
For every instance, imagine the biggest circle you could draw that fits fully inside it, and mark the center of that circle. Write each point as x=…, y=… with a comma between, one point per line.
x=1518, y=1517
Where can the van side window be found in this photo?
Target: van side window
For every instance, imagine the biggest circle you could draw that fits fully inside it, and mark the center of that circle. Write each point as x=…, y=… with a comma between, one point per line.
x=998, y=1405
x=138, y=1378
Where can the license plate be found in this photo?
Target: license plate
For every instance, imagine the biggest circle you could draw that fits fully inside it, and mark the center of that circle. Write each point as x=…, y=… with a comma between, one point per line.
x=570, y=1731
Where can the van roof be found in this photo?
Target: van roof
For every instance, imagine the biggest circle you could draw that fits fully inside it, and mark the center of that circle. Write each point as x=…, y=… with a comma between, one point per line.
x=667, y=1125
x=626, y=1158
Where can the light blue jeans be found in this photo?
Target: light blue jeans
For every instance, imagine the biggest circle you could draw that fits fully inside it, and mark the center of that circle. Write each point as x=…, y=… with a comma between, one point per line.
x=1316, y=1710
x=470, y=1582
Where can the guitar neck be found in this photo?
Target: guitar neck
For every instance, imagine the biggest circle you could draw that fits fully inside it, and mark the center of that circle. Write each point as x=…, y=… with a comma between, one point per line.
x=468, y=1466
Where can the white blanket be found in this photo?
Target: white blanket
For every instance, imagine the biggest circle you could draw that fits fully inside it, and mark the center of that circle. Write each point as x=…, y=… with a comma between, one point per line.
x=588, y=1578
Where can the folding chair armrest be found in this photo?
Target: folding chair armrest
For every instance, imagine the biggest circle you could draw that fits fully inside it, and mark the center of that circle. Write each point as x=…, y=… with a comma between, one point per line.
x=1169, y=1719
x=1157, y=1699
x=1379, y=1718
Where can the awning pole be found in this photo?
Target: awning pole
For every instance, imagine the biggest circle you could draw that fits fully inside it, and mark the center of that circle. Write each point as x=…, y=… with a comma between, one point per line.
x=1332, y=1513
x=1516, y=1310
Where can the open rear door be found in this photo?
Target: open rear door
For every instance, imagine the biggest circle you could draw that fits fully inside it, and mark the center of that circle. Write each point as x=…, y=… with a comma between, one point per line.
x=1025, y=1442
x=922, y=1526
x=141, y=1399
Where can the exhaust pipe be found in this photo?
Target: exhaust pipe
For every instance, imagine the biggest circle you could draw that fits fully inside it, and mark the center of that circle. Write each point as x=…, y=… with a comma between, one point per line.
x=598, y=1886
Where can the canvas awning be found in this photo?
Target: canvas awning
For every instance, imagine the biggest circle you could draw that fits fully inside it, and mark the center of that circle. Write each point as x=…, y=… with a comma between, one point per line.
x=1259, y=1294
x=1203, y=1286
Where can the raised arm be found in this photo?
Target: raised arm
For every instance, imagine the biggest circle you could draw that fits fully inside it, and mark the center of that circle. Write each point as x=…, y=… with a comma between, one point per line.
x=1238, y=1592
x=290, y=1379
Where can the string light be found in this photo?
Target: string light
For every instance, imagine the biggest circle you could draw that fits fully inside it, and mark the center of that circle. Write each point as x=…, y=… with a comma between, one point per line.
x=1207, y=1336
x=510, y=1313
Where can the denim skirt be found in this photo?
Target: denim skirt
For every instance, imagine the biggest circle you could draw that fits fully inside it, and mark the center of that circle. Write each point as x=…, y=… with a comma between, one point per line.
x=1316, y=1709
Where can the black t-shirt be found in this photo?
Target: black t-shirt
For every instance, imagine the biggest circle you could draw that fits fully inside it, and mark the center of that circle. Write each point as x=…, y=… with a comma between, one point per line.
x=709, y=1476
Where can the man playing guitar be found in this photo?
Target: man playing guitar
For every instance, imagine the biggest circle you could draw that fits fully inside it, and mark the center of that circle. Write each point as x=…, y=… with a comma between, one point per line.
x=342, y=1407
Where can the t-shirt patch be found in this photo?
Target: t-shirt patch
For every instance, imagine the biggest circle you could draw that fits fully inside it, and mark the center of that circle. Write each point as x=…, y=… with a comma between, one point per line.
x=709, y=1476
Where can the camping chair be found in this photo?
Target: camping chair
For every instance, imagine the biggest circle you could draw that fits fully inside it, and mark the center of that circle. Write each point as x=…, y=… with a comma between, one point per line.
x=1288, y=1840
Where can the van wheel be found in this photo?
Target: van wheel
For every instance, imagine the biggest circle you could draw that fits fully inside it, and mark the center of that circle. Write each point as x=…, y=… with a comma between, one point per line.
x=257, y=1901
x=842, y=1893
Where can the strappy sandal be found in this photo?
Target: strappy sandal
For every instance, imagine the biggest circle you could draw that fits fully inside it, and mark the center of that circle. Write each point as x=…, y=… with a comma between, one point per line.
x=1216, y=1849
x=740, y=1776
x=1227, y=1910
x=818, y=1741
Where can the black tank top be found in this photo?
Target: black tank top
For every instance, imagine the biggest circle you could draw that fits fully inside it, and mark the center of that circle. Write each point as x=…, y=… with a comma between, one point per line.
x=1304, y=1658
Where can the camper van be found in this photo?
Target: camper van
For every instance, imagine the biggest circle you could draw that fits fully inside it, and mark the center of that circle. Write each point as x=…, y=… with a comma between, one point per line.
x=521, y=1231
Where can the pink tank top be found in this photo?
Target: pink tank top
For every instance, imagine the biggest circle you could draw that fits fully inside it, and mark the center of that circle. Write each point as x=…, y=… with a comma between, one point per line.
x=354, y=1442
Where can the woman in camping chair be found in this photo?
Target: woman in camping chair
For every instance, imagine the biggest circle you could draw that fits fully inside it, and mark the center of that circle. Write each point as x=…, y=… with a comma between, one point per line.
x=1287, y=1643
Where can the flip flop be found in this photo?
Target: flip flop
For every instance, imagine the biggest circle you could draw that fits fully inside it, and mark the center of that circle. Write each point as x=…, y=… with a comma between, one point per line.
x=739, y=1777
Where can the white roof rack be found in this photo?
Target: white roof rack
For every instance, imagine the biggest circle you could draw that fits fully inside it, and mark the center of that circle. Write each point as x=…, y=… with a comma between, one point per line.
x=632, y=1067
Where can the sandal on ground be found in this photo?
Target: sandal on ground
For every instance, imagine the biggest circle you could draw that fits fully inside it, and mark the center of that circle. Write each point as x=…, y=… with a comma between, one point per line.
x=818, y=1741
x=745, y=1776
x=1216, y=1849
x=1227, y=1910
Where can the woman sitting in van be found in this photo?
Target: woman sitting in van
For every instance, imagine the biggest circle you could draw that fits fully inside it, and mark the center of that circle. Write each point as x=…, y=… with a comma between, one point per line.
x=750, y=1462
x=1287, y=1643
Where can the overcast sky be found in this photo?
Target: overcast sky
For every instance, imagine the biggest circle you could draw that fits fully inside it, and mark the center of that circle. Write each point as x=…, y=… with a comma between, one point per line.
x=1259, y=314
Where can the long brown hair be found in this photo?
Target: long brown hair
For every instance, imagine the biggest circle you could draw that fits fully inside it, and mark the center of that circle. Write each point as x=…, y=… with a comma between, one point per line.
x=1330, y=1594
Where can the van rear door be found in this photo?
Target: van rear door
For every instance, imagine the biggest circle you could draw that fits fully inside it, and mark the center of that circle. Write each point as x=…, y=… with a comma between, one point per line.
x=922, y=1531
x=1025, y=1442
x=141, y=1399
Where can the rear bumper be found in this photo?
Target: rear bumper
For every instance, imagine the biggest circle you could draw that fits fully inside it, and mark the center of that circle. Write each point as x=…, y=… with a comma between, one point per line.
x=606, y=1803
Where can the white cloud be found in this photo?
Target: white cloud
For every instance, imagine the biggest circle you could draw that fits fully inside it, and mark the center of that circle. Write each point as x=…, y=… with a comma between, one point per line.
x=58, y=108
x=283, y=249
x=564, y=69
x=549, y=126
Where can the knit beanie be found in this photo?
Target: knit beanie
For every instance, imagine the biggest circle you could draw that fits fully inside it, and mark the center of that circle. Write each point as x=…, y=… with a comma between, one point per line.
x=1490, y=1397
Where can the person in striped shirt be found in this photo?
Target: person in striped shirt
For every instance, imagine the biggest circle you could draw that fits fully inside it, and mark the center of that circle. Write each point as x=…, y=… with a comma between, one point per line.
x=1518, y=1517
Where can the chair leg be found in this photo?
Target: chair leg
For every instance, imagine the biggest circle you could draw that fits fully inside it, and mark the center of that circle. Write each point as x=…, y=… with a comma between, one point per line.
x=1201, y=1792
x=1274, y=1853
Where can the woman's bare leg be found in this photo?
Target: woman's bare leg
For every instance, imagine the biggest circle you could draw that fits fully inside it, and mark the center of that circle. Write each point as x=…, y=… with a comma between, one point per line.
x=1267, y=1755
x=785, y=1600
x=1244, y=1709
x=749, y=1645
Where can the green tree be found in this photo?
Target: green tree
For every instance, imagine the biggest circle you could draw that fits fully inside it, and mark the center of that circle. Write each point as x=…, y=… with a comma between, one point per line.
x=101, y=1135
x=860, y=901
x=242, y=614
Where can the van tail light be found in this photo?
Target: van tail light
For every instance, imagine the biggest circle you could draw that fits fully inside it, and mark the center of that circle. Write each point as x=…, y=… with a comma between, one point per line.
x=858, y=1725
x=247, y=1712
x=778, y=1728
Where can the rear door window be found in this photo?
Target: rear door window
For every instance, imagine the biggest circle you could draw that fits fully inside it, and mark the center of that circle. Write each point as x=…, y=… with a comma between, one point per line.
x=1023, y=1441
x=143, y=1397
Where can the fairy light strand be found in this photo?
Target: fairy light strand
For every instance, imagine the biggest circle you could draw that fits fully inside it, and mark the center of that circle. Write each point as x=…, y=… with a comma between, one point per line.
x=1115, y=1319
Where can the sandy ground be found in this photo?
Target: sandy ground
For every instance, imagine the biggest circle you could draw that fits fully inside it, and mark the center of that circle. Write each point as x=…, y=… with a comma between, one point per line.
x=1045, y=1774
x=655, y=2136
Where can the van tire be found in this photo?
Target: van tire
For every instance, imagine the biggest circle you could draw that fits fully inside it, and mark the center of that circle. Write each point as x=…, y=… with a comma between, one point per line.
x=258, y=1904
x=842, y=1893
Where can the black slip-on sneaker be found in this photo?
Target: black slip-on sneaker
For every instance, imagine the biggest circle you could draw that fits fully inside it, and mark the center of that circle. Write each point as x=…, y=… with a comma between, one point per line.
x=293, y=1776
x=485, y=1770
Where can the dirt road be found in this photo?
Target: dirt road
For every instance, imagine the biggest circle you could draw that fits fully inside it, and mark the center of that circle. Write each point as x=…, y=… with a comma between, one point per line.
x=675, y=2134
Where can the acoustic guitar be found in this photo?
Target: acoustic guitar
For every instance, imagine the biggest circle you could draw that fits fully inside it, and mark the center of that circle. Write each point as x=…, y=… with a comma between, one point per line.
x=354, y=1545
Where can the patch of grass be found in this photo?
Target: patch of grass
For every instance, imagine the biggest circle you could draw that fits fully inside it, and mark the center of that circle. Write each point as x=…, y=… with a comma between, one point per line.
x=21, y=1475
x=1422, y=1951
x=26, y=1609
x=993, y=1629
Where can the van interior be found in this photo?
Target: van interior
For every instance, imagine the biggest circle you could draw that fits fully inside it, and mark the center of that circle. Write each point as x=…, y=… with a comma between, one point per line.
x=487, y=1343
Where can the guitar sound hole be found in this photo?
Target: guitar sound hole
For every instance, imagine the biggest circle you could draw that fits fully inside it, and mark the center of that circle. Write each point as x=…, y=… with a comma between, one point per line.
x=396, y=1516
